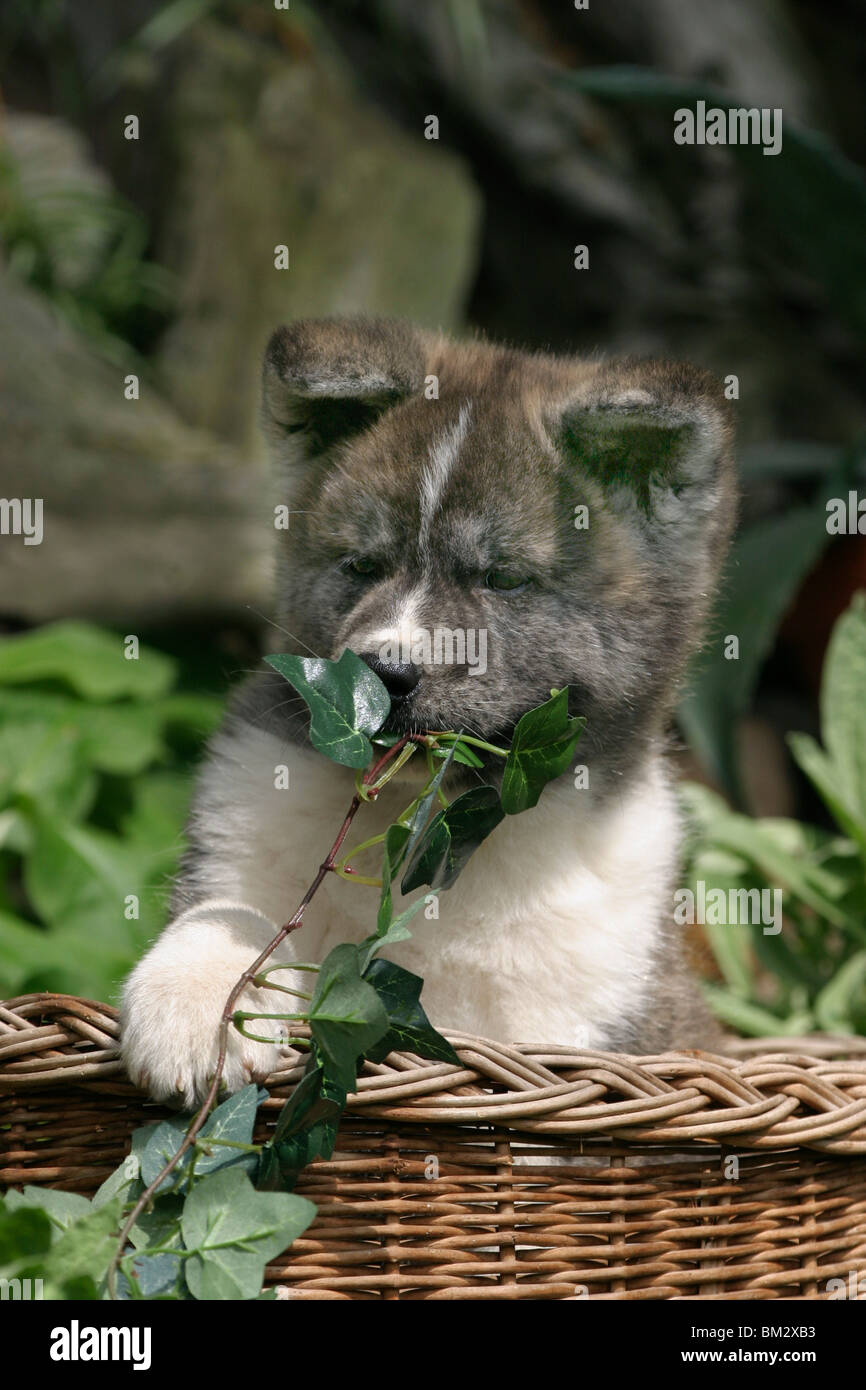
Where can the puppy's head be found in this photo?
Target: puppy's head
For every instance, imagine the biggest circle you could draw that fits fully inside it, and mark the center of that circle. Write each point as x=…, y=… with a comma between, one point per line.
x=483, y=524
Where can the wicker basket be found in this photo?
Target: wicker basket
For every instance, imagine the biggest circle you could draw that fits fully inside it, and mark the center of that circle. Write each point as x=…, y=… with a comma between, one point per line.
x=531, y=1172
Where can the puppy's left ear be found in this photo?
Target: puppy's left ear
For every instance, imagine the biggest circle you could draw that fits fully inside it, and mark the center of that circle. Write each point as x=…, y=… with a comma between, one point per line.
x=656, y=437
x=325, y=380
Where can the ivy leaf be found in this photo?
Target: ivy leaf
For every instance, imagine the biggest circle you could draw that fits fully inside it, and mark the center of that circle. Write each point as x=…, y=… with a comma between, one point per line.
x=164, y=1142
x=232, y=1231
x=317, y=1096
x=85, y=1248
x=409, y=1028
x=397, y=930
x=420, y=815
x=158, y=1224
x=461, y=753
x=25, y=1233
x=233, y=1121
x=306, y=1128
x=63, y=1209
x=159, y=1275
x=396, y=839
x=346, y=700
x=346, y=1015
x=125, y=1181
x=542, y=748
x=451, y=839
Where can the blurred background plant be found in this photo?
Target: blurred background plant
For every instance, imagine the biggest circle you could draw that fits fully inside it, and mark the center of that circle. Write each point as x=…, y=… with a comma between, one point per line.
x=805, y=969
x=95, y=781
x=151, y=259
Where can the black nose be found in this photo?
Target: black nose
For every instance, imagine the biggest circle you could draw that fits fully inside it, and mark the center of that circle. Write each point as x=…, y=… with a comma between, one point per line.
x=400, y=679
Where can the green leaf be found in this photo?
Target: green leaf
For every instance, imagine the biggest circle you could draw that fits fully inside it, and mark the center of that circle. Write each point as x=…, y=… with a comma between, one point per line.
x=843, y=709
x=199, y=715
x=753, y=1020
x=155, y=825
x=283, y=1163
x=28, y=951
x=397, y=930
x=842, y=1003
x=306, y=1128
x=823, y=775
x=125, y=1182
x=419, y=817
x=79, y=878
x=409, y=1028
x=86, y=658
x=162, y=1145
x=315, y=1097
x=393, y=850
x=232, y=1121
x=116, y=738
x=730, y=945
x=43, y=763
x=771, y=559
x=542, y=748
x=346, y=1016
x=451, y=839
x=347, y=703
x=461, y=753
x=63, y=1209
x=758, y=842
x=159, y=1224
x=86, y=1247
x=25, y=1234
x=160, y=1276
x=234, y=1230
x=33, y=959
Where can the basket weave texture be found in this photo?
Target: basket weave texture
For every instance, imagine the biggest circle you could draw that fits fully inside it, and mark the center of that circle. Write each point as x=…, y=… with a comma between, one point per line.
x=529, y=1172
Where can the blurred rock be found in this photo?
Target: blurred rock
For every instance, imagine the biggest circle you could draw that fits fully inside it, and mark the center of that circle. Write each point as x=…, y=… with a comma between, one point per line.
x=143, y=516
x=270, y=149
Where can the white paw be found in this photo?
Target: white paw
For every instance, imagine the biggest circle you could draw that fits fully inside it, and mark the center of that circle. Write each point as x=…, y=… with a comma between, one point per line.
x=172, y=1006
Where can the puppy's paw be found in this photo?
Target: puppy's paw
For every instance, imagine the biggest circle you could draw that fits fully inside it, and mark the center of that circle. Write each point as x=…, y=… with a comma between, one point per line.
x=170, y=1019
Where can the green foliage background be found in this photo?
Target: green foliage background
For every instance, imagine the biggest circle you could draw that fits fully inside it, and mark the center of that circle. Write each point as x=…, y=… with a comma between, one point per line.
x=96, y=757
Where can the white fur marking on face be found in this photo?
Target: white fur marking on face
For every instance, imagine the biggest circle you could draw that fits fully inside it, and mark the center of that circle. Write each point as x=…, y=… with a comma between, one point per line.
x=442, y=456
x=400, y=632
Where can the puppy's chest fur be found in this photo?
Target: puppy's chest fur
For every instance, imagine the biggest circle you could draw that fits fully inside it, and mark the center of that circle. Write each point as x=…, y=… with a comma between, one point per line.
x=557, y=930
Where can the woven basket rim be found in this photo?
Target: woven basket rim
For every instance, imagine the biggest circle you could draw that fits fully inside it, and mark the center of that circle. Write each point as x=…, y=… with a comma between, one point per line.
x=771, y=1093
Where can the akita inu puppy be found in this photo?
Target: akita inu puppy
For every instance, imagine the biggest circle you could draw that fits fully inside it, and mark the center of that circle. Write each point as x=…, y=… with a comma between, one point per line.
x=575, y=512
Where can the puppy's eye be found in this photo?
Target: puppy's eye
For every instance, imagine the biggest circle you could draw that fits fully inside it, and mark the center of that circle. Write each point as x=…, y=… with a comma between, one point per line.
x=361, y=565
x=505, y=581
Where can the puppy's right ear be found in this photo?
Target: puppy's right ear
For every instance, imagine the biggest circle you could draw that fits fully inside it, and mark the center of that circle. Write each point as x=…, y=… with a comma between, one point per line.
x=325, y=380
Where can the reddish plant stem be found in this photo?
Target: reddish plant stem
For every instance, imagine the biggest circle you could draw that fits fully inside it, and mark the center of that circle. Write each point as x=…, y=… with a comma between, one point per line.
x=228, y=1011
